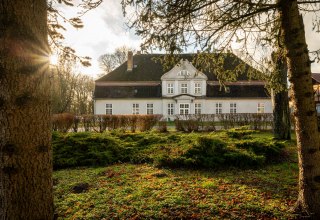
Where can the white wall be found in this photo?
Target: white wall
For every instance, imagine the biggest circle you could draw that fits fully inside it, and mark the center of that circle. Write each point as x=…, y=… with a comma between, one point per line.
x=160, y=106
x=124, y=106
x=243, y=105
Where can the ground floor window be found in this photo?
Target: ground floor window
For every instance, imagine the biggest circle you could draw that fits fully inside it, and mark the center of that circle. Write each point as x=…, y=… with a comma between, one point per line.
x=184, y=109
x=109, y=109
x=218, y=108
x=170, y=109
x=197, y=108
x=150, y=109
x=135, y=109
x=233, y=108
x=260, y=108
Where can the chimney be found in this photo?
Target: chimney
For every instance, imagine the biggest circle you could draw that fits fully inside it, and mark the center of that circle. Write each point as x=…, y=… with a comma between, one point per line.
x=130, y=61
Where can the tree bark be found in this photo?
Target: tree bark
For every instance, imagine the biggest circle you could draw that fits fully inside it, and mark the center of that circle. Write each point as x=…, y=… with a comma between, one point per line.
x=25, y=136
x=299, y=72
x=281, y=112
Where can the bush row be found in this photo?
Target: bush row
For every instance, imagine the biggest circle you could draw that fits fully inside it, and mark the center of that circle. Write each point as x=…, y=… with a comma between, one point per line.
x=209, y=122
x=99, y=123
x=187, y=123
x=164, y=150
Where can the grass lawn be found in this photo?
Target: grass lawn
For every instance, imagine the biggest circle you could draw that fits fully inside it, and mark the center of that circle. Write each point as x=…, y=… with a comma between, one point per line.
x=142, y=191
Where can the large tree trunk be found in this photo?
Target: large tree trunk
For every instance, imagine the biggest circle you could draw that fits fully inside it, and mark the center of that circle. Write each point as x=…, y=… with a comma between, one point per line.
x=281, y=112
x=304, y=109
x=25, y=149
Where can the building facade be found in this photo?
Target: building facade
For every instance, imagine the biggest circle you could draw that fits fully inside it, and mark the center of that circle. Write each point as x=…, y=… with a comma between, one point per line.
x=142, y=86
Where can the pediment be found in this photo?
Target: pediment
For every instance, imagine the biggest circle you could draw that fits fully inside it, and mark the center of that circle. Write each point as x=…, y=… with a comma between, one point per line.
x=182, y=71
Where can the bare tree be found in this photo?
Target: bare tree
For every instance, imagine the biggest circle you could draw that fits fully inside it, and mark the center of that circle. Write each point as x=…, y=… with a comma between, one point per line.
x=82, y=102
x=174, y=25
x=110, y=61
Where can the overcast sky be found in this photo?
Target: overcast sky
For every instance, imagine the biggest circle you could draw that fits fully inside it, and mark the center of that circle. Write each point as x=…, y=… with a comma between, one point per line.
x=105, y=29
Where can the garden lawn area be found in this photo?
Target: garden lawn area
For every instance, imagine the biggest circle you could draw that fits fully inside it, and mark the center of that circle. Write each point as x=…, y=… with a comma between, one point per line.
x=148, y=191
x=127, y=191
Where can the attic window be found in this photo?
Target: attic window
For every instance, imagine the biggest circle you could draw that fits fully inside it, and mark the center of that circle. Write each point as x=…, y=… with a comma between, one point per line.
x=184, y=73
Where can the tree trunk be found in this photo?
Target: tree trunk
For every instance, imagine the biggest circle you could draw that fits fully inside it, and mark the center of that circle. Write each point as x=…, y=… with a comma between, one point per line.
x=25, y=149
x=281, y=112
x=299, y=72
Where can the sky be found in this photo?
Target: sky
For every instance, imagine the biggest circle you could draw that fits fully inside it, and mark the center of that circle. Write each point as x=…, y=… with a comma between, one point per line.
x=105, y=30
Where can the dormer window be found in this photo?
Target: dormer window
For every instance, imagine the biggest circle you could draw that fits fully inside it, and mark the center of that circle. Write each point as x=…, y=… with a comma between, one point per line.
x=184, y=73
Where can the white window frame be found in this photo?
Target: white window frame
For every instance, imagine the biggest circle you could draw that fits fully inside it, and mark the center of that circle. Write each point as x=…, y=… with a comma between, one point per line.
x=197, y=108
x=170, y=88
x=149, y=108
x=108, y=109
x=260, y=107
x=184, y=108
x=135, y=108
x=219, y=108
x=233, y=108
x=170, y=109
x=184, y=73
x=197, y=88
x=184, y=88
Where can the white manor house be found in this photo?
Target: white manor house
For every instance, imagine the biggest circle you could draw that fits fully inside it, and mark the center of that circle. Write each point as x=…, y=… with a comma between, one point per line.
x=141, y=86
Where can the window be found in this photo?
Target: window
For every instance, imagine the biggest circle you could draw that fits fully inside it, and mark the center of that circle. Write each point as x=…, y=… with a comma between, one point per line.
x=170, y=88
x=197, y=108
x=218, y=108
x=135, y=109
x=184, y=73
x=260, y=108
x=197, y=88
x=233, y=108
x=170, y=109
x=184, y=109
x=109, y=109
x=184, y=88
x=150, y=109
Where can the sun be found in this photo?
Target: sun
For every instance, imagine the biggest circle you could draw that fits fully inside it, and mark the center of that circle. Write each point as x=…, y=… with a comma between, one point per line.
x=54, y=59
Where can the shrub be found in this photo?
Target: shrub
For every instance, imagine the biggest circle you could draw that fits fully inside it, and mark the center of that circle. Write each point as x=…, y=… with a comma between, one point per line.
x=272, y=150
x=83, y=149
x=239, y=133
x=162, y=126
x=243, y=159
x=147, y=122
x=62, y=122
x=172, y=150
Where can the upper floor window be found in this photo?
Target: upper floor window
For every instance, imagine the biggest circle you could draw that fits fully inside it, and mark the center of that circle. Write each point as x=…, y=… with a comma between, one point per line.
x=197, y=108
x=184, y=73
x=233, y=108
x=170, y=88
x=184, y=88
x=150, y=109
x=109, y=109
x=218, y=108
x=135, y=109
x=197, y=88
x=170, y=109
x=260, y=108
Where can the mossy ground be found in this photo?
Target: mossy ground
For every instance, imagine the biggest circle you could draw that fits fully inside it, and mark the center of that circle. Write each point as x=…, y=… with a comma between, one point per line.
x=143, y=191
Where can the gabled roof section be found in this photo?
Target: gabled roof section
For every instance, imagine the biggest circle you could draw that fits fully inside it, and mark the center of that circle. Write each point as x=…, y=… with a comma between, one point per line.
x=184, y=65
x=147, y=69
